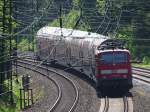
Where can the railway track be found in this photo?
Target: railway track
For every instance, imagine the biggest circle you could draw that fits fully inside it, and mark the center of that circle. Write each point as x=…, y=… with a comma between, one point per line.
x=104, y=104
x=67, y=91
x=126, y=105
x=141, y=74
x=122, y=104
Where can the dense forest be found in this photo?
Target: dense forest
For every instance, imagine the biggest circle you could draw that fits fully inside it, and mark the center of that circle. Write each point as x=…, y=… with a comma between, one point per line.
x=126, y=19
x=5, y=28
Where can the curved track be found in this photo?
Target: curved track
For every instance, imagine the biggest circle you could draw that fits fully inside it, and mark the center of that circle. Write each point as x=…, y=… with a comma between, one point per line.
x=68, y=94
x=54, y=81
x=141, y=74
x=108, y=104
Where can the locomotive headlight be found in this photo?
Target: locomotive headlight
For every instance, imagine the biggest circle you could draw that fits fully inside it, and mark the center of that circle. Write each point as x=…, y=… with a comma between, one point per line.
x=117, y=71
x=105, y=72
x=122, y=71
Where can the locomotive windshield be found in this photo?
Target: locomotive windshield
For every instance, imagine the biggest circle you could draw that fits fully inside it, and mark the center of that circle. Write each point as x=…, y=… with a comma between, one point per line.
x=114, y=58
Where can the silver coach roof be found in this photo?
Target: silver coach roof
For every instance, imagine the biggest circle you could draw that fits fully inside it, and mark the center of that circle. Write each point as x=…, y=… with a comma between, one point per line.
x=47, y=32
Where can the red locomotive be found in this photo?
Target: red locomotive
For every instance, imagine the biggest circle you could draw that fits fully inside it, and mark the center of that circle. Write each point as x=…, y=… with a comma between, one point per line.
x=113, y=65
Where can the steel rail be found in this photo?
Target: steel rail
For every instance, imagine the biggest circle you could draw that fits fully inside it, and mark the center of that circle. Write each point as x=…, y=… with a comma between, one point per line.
x=126, y=105
x=141, y=79
x=54, y=81
x=141, y=68
x=54, y=71
x=141, y=74
x=144, y=70
x=106, y=104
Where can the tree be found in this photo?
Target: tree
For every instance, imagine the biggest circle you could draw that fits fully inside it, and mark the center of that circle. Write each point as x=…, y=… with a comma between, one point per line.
x=5, y=38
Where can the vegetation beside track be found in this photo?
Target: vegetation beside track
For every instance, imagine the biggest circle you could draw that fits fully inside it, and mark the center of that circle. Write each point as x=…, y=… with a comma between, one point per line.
x=5, y=105
x=145, y=63
x=147, y=66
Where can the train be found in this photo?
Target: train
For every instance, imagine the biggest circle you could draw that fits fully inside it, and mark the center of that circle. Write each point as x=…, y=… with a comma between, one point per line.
x=103, y=59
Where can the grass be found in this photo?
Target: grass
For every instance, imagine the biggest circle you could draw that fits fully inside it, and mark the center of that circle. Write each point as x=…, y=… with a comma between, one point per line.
x=5, y=105
x=142, y=65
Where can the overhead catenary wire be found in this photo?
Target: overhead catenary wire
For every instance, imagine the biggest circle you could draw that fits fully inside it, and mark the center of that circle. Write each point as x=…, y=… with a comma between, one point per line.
x=106, y=27
x=76, y=23
x=10, y=44
x=37, y=65
x=118, y=22
x=34, y=22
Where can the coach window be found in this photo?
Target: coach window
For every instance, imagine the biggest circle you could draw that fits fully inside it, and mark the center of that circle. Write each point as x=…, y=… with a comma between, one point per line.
x=81, y=56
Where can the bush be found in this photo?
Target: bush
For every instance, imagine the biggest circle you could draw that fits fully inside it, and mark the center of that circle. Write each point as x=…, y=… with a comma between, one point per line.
x=146, y=60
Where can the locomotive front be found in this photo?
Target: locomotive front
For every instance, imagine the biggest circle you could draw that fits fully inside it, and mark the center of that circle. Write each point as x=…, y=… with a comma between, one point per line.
x=113, y=65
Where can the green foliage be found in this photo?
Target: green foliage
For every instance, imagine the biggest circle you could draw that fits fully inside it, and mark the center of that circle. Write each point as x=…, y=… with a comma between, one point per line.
x=24, y=45
x=5, y=100
x=101, y=6
x=77, y=2
x=146, y=60
x=141, y=22
x=126, y=33
x=113, y=7
x=69, y=21
x=134, y=24
x=1, y=14
x=142, y=65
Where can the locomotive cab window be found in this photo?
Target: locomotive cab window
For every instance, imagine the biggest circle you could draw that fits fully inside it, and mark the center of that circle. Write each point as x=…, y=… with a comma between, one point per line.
x=113, y=58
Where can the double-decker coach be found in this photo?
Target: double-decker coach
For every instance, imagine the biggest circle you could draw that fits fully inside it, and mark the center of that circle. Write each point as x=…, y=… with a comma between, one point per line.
x=101, y=58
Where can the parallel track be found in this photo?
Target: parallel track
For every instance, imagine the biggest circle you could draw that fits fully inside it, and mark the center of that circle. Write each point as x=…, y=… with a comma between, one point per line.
x=54, y=81
x=122, y=104
x=57, y=103
x=126, y=105
x=106, y=104
x=141, y=74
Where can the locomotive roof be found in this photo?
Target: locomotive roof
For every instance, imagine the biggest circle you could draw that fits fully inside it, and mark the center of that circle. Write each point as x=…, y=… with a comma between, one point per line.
x=47, y=31
x=112, y=50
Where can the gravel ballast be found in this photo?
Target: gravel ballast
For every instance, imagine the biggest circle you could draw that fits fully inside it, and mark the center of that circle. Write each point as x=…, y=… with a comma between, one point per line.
x=44, y=90
x=88, y=100
x=141, y=97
